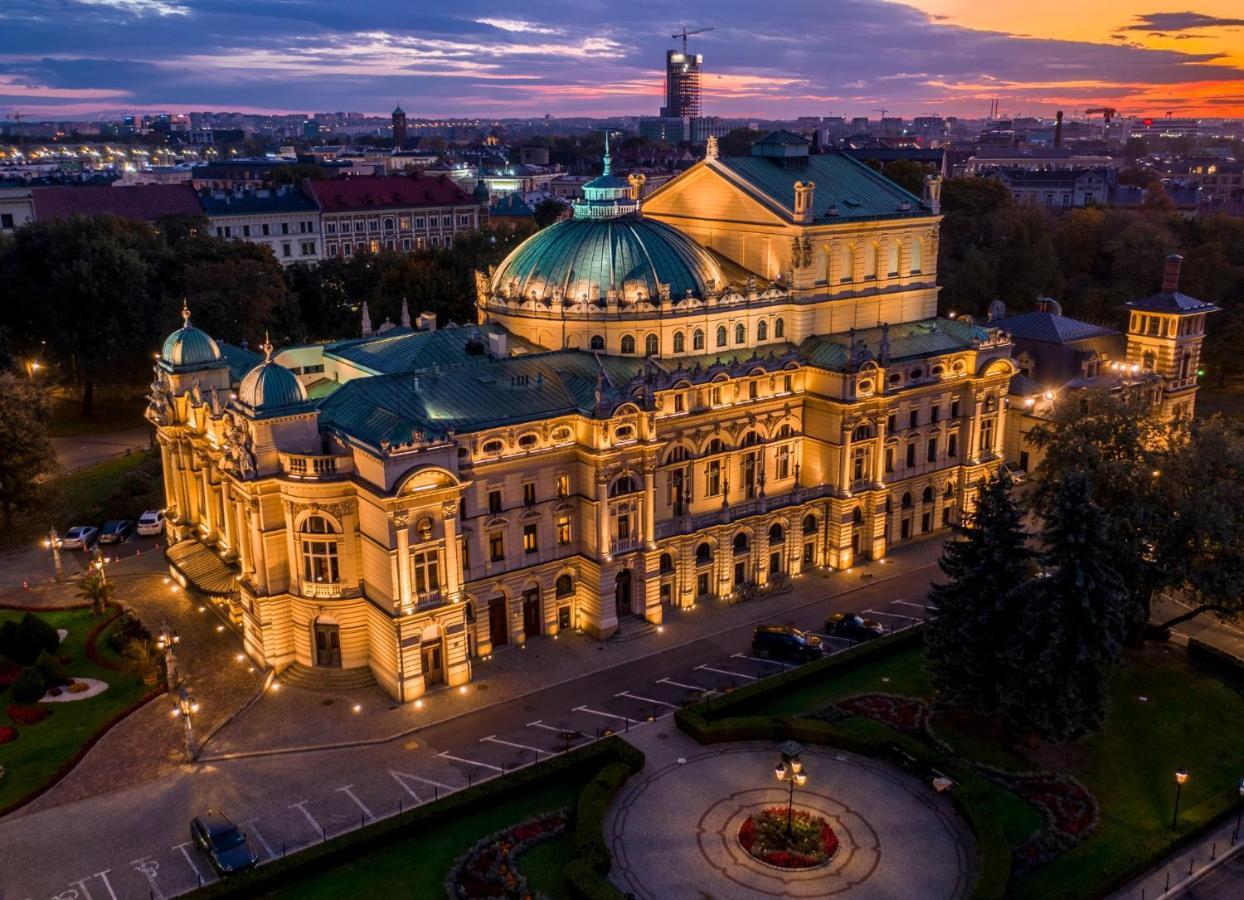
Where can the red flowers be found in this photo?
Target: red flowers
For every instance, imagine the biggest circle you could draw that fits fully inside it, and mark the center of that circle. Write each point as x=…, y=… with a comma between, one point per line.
x=900, y=713
x=27, y=715
x=488, y=869
x=811, y=841
x=7, y=734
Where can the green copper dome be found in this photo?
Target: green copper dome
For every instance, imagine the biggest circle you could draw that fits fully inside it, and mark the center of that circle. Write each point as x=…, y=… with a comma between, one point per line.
x=270, y=386
x=188, y=347
x=582, y=259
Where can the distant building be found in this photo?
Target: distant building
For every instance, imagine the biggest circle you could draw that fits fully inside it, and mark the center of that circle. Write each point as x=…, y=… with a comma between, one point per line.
x=1060, y=188
x=666, y=129
x=145, y=203
x=1035, y=158
x=533, y=156
x=286, y=220
x=16, y=208
x=399, y=128
x=369, y=213
x=1219, y=180
x=231, y=174
x=510, y=210
x=682, y=85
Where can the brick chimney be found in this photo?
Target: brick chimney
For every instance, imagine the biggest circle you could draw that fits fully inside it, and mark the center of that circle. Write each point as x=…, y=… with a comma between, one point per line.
x=1170, y=275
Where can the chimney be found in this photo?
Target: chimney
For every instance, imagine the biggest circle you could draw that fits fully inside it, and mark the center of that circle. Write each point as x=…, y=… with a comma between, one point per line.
x=496, y=345
x=1170, y=275
x=1058, y=128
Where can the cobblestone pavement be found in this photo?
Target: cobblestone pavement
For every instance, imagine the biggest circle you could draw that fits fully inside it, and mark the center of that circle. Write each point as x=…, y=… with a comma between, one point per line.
x=674, y=828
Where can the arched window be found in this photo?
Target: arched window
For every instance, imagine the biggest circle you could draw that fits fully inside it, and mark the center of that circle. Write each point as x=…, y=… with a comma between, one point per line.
x=777, y=534
x=848, y=263
x=927, y=496
x=652, y=345
x=598, y=342
x=785, y=431
x=565, y=585
x=697, y=339
x=1149, y=361
x=319, y=551
x=917, y=254
x=857, y=517
x=721, y=336
x=667, y=563
x=907, y=501
x=740, y=333
x=949, y=490
x=1185, y=364
x=751, y=439
x=872, y=261
x=715, y=446
x=680, y=342
x=762, y=330
x=623, y=485
x=628, y=344
x=703, y=555
x=741, y=544
x=809, y=524
x=861, y=434
x=677, y=454
x=779, y=328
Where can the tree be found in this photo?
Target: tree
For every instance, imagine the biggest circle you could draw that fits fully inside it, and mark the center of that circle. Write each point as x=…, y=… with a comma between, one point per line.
x=236, y=291
x=906, y=173
x=27, y=460
x=96, y=590
x=737, y=142
x=1072, y=626
x=548, y=211
x=976, y=605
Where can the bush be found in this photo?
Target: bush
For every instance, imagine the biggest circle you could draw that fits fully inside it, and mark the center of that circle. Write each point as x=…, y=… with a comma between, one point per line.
x=52, y=670
x=29, y=687
x=8, y=673
x=7, y=627
x=7, y=734
x=127, y=628
x=31, y=637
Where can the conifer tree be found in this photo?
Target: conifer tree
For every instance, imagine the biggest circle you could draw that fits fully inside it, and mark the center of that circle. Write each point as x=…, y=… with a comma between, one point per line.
x=973, y=611
x=1075, y=614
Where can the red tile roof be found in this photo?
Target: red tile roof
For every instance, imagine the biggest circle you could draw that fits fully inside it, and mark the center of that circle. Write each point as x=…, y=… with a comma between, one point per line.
x=367, y=192
x=145, y=202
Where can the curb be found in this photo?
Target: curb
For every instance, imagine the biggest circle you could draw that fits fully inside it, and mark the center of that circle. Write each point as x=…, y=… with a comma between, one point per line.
x=1200, y=873
x=371, y=742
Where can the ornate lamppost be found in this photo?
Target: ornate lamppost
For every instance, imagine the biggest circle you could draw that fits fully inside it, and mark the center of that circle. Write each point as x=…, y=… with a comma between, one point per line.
x=1181, y=775
x=790, y=770
x=185, y=707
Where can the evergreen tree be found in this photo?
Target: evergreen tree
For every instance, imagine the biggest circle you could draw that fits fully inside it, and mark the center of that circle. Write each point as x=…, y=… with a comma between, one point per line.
x=1070, y=633
x=972, y=611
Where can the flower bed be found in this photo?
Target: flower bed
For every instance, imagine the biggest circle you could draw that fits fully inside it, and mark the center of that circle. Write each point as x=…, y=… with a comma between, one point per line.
x=7, y=734
x=27, y=715
x=1070, y=811
x=811, y=842
x=488, y=870
x=900, y=713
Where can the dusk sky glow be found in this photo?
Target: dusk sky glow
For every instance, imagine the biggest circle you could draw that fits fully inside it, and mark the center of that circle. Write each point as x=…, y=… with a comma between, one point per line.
x=85, y=58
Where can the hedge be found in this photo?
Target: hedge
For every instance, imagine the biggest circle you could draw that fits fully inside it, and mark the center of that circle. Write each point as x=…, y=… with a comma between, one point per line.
x=613, y=754
x=592, y=860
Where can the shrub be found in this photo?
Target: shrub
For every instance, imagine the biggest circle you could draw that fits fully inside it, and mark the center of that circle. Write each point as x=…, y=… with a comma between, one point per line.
x=7, y=627
x=29, y=686
x=7, y=734
x=27, y=715
x=52, y=670
x=127, y=628
x=31, y=637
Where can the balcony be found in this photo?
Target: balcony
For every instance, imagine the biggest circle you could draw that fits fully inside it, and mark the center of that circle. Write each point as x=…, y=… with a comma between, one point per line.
x=623, y=545
x=322, y=590
x=316, y=467
x=424, y=600
x=688, y=524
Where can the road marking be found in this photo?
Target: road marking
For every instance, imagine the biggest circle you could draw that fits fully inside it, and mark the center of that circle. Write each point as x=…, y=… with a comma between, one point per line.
x=877, y=612
x=249, y=824
x=149, y=868
x=628, y=695
x=398, y=776
x=690, y=687
x=470, y=762
x=829, y=637
x=190, y=862
x=493, y=739
x=607, y=715
x=103, y=876
x=539, y=723
x=771, y=662
x=723, y=672
x=301, y=806
x=348, y=790
x=909, y=603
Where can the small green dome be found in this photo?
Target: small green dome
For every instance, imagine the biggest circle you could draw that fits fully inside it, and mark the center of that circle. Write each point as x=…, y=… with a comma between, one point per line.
x=188, y=347
x=270, y=386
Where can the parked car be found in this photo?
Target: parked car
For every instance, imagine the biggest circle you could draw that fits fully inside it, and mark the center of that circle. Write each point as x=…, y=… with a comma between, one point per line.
x=117, y=531
x=151, y=522
x=852, y=627
x=223, y=844
x=80, y=537
x=785, y=642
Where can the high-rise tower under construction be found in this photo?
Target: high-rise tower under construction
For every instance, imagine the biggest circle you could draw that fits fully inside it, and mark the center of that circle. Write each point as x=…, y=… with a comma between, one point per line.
x=682, y=84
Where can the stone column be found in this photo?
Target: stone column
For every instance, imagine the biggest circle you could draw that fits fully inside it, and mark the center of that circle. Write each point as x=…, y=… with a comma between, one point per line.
x=973, y=450
x=401, y=522
x=180, y=487
x=844, y=464
x=879, y=456
x=226, y=499
x=259, y=553
x=453, y=556
x=170, y=476
x=241, y=526
x=602, y=518
x=650, y=504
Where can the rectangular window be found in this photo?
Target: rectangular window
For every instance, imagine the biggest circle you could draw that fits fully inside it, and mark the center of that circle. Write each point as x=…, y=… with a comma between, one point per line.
x=284, y=228
x=986, y=435
x=945, y=516
x=496, y=546
x=857, y=465
x=319, y=562
x=952, y=445
x=787, y=383
x=529, y=493
x=246, y=231
x=913, y=418
x=494, y=502
x=911, y=455
x=287, y=250
x=891, y=424
x=751, y=390
x=931, y=456
x=530, y=544
x=954, y=409
x=712, y=478
x=889, y=459
x=679, y=403
x=935, y=413
x=6, y=220
x=563, y=484
x=427, y=572
x=563, y=529
x=308, y=248
x=419, y=222
x=783, y=463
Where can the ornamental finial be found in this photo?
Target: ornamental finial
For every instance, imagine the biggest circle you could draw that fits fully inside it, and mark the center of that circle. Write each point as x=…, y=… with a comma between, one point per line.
x=185, y=313
x=608, y=158
x=266, y=347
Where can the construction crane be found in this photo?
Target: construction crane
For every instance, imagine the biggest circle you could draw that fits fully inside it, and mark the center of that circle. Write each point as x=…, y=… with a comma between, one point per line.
x=881, y=110
x=1107, y=112
x=684, y=34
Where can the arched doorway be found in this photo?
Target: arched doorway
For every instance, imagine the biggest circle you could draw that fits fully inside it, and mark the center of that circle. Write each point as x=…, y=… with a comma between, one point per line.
x=498, y=624
x=432, y=656
x=327, y=643
x=622, y=593
x=531, y=613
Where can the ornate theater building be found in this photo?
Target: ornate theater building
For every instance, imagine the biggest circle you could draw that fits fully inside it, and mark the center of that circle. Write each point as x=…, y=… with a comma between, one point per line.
x=656, y=408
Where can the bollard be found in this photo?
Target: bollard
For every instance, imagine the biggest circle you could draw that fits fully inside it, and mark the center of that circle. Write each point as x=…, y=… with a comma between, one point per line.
x=360, y=820
x=399, y=806
x=468, y=779
x=1168, y=880
x=1213, y=850
x=1189, y=866
x=627, y=721
x=323, y=834
x=537, y=757
x=435, y=795
x=282, y=849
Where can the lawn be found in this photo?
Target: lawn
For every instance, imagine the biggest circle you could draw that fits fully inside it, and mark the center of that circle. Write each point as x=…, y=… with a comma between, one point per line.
x=120, y=488
x=110, y=414
x=1187, y=718
x=416, y=866
x=34, y=760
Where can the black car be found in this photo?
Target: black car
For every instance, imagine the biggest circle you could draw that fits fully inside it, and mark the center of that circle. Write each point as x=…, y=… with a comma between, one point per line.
x=784, y=642
x=853, y=627
x=223, y=843
x=118, y=531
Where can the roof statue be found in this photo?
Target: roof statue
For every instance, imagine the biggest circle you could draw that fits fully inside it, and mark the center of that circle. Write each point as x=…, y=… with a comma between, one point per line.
x=710, y=148
x=405, y=313
x=367, y=329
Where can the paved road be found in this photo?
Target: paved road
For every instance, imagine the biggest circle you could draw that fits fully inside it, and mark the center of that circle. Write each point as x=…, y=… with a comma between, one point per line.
x=87, y=449
x=1224, y=883
x=132, y=843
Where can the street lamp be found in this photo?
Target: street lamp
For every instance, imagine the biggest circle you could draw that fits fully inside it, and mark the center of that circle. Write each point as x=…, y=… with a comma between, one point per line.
x=98, y=563
x=790, y=770
x=165, y=641
x=52, y=542
x=1181, y=775
x=185, y=708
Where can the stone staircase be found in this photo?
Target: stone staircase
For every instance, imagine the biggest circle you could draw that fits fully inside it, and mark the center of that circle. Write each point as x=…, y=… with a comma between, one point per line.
x=315, y=678
x=631, y=628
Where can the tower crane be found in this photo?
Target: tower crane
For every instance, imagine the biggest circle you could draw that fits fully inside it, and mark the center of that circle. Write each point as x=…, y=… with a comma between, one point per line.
x=684, y=34
x=1107, y=112
x=882, y=110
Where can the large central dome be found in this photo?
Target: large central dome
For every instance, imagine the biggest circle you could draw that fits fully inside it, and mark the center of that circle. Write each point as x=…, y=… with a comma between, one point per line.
x=583, y=259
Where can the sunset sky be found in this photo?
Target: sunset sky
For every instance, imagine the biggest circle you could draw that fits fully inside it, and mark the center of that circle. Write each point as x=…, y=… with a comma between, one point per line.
x=85, y=58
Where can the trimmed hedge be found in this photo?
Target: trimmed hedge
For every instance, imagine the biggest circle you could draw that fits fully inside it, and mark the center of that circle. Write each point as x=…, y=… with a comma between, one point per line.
x=613, y=754
x=592, y=859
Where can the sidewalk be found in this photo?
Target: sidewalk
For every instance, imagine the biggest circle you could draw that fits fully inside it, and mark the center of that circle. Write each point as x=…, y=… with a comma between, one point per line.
x=289, y=718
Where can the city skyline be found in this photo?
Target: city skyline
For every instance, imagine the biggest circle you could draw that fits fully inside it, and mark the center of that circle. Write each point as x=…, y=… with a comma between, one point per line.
x=928, y=57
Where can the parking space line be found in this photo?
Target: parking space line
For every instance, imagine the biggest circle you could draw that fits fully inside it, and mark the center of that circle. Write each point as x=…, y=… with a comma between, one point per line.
x=190, y=862
x=607, y=715
x=249, y=825
x=690, y=687
x=909, y=603
x=829, y=637
x=301, y=806
x=723, y=672
x=471, y=762
x=493, y=739
x=628, y=695
x=348, y=790
x=539, y=723
x=877, y=612
x=398, y=776
x=757, y=659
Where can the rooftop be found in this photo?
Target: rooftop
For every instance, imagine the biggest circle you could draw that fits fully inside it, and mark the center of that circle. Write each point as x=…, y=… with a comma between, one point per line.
x=1049, y=327
x=220, y=203
x=142, y=202
x=368, y=192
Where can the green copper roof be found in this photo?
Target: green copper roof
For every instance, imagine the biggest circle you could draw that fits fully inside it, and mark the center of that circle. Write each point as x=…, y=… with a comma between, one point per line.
x=584, y=258
x=842, y=184
x=188, y=347
x=908, y=340
x=403, y=350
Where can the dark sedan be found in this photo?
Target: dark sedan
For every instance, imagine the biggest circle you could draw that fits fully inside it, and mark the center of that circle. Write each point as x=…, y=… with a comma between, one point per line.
x=222, y=842
x=853, y=627
x=118, y=531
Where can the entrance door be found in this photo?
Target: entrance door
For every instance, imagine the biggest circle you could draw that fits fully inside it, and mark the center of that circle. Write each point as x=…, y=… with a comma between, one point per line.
x=328, y=646
x=667, y=593
x=531, y=612
x=433, y=669
x=622, y=593
x=498, y=626
x=740, y=573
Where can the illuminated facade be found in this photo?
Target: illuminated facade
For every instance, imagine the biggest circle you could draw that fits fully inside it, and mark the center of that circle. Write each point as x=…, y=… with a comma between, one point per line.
x=743, y=379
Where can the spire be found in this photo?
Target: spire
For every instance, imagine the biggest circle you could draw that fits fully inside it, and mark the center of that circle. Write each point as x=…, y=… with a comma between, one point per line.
x=608, y=159
x=367, y=330
x=185, y=313
x=405, y=313
x=266, y=347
